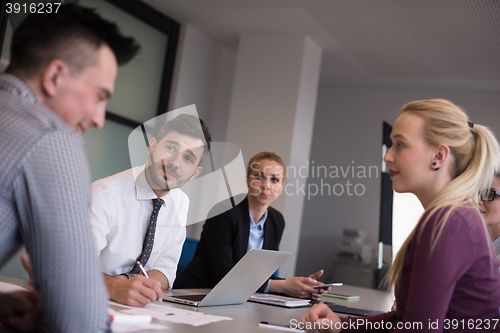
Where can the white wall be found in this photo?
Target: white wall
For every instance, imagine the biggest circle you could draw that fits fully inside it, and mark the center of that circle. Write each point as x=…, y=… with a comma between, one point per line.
x=272, y=109
x=348, y=127
x=203, y=76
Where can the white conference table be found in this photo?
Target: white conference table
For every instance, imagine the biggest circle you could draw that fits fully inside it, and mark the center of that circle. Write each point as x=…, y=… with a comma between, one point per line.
x=246, y=317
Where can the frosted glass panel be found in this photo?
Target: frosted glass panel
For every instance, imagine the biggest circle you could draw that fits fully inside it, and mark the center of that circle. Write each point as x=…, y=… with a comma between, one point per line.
x=137, y=88
x=107, y=149
x=4, y=60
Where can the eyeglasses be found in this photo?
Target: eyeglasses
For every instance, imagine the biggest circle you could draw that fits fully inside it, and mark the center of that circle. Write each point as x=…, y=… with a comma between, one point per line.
x=488, y=195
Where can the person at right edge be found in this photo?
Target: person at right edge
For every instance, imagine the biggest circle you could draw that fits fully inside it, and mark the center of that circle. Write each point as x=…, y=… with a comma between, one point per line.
x=446, y=273
x=489, y=207
x=62, y=72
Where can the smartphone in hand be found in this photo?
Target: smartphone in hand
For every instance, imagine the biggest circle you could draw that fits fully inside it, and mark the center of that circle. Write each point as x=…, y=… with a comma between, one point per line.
x=321, y=286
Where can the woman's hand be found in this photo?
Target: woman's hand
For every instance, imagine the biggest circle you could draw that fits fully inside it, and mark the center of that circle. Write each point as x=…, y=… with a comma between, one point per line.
x=320, y=318
x=394, y=306
x=299, y=286
x=319, y=291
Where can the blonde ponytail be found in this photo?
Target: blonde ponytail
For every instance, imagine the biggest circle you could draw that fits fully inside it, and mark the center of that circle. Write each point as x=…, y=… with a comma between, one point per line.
x=476, y=155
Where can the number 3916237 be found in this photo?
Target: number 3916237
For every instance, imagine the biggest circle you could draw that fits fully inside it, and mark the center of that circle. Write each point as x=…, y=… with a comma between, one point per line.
x=39, y=8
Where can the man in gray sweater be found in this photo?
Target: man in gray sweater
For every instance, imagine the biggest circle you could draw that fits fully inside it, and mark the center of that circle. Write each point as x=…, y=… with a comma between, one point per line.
x=62, y=72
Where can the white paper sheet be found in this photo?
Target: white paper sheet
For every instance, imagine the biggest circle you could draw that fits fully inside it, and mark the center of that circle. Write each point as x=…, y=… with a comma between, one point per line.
x=156, y=310
x=119, y=328
x=135, y=328
x=164, y=312
x=194, y=320
x=8, y=287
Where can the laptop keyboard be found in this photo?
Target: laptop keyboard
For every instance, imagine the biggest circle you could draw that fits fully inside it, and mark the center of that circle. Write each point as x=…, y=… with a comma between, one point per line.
x=195, y=298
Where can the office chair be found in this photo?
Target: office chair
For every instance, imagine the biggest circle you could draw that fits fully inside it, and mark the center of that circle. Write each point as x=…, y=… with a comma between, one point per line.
x=187, y=254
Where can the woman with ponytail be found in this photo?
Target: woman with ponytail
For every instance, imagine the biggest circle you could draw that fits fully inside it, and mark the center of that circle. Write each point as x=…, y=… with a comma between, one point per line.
x=446, y=276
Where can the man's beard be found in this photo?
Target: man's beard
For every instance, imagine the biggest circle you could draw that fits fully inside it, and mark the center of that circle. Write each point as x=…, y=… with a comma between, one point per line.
x=158, y=177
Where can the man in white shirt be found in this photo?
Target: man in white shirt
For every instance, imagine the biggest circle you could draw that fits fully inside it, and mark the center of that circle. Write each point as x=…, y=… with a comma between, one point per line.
x=123, y=204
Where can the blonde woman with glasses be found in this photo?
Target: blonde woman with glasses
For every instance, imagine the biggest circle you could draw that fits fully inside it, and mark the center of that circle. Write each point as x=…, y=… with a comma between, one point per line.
x=446, y=276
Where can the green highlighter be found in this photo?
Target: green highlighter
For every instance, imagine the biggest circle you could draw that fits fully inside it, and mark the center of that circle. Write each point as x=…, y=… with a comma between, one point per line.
x=341, y=296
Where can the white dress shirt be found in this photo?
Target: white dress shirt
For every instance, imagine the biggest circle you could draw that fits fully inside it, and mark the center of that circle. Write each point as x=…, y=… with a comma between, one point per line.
x=120, y=211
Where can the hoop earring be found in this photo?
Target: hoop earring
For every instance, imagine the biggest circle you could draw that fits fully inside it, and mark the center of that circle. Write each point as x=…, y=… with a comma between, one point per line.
x=434, y=164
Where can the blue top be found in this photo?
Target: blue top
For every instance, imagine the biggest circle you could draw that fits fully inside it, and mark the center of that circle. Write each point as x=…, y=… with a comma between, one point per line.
x=256, y=236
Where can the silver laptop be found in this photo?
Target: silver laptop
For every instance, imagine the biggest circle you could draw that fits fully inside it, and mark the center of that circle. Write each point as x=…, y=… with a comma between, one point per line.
x=240, y=282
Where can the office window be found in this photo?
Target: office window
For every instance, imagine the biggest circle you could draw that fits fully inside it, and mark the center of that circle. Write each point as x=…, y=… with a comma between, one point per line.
x=142, y=88
x=406, y=212
x=138, y=84
x=399, y=212
x=5, y=39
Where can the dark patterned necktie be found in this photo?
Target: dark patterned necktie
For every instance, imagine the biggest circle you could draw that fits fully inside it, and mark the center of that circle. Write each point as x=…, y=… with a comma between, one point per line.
x=147, y=246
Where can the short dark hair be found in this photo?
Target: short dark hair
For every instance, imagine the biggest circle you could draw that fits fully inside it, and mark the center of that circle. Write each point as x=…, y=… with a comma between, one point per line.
x=70, y=35
x=189, y=125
